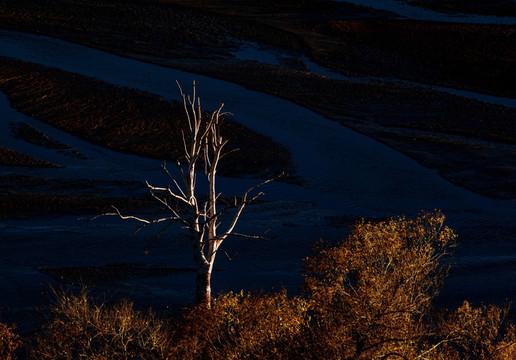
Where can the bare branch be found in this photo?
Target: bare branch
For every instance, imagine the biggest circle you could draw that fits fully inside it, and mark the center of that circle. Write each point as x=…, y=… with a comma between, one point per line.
x=165, y=203
x=225, y=253
x=244, y=197
x=246, y=236
x=241, y=205
x=203, y=142
x=227, y=153
x=182, y=174
x=185, y=105
x=126, y=217
x=235, y=218
x=152, y=188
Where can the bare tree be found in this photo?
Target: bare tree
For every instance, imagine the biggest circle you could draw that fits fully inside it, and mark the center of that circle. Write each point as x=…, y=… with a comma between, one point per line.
x=200, y=216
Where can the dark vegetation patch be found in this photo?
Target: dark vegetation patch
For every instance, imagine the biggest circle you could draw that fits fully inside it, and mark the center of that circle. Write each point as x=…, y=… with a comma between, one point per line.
x=495, y=178
x=22, y=205
x=115, y=272
x=23, y=196
x=483, y=7
x=126, y=120
x=34, y=136
x=468, y=56
x=25, y=183
x=10, y=157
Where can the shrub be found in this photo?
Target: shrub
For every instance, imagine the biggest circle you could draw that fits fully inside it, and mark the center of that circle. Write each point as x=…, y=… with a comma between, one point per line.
x=245, y=326
x=81, y=329
x=371, y=294
x=475, y=333
x=9, y=342
x=371, y=297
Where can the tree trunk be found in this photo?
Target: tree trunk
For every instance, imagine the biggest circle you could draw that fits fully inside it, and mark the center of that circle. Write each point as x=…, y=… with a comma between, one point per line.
x=203, y=292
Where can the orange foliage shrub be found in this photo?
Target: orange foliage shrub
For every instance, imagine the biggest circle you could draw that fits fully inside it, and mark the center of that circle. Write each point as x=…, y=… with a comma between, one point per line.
x=81, y=329
x=9, y=342
x=370, y=294
x=371, y=297
x=475, y=333
x=245, y=326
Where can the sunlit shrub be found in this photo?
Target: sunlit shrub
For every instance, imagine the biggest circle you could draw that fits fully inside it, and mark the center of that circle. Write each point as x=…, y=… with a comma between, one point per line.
x=371, y=294
x=245, y=326
x=79, y=328
x=475, y=333
x=9, y=342
x=371, y=297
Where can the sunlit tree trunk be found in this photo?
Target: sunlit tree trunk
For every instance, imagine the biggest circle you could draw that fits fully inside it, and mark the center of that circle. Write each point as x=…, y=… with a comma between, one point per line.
x=203, y=285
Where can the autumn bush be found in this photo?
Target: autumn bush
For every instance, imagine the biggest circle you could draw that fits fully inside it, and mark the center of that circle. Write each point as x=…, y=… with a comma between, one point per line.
x=369, y=296
x=475, y=333
x=82, y=328
x=245, y=326
x=9, y=342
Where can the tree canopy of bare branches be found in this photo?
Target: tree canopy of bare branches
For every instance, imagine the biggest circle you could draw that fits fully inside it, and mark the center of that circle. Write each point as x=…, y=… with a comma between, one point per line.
x=199, y=215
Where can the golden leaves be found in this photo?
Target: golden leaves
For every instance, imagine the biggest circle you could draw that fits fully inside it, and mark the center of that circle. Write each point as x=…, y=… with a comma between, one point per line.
x=370, y=292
